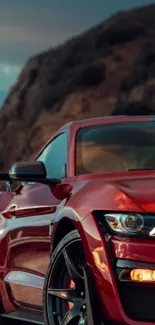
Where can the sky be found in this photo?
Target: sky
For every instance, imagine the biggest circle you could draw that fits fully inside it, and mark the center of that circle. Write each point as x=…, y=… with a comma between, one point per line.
x=32, y=26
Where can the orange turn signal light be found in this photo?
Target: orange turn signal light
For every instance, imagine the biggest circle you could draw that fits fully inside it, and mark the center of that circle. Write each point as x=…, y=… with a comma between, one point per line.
x=142, y=275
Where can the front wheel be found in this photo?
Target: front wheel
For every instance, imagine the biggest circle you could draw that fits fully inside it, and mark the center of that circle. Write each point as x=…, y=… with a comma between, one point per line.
x=64, y=290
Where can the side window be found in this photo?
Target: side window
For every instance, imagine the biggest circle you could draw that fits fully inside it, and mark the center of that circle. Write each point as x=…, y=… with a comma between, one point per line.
x=54, y=157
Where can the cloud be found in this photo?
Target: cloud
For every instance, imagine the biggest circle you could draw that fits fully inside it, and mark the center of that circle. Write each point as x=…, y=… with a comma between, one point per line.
x=8, y=69
x=29, y=36
x=35, y=26
x=28, y=28
x=18, y=43
x=8, y=75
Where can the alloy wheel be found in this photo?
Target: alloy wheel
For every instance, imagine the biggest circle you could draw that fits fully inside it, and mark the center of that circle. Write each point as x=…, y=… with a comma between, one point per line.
x=65, y=291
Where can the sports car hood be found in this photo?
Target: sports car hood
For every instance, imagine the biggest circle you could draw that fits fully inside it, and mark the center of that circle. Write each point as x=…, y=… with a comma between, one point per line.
x=141, y=191
x=130, y=191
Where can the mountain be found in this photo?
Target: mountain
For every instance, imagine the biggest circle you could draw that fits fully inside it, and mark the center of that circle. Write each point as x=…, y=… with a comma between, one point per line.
x=110, y=69
x=3, y=95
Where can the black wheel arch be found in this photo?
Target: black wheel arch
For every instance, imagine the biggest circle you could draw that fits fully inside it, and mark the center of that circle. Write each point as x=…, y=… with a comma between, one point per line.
x=64, y=227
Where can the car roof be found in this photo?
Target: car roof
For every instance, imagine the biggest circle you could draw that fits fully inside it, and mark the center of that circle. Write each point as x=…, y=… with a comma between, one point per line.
x=107, y=120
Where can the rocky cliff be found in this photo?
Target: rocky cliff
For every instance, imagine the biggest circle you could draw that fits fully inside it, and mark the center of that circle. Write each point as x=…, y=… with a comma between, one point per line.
x=110, y=69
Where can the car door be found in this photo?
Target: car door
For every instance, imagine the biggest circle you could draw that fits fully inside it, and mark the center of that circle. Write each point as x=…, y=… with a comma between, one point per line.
x=29, y=216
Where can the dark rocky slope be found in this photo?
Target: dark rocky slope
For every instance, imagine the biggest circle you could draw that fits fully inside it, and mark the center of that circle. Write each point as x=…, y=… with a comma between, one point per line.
x=110, y=69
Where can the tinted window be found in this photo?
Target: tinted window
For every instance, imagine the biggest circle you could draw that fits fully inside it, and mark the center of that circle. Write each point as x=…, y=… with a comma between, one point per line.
x=115, y=148
x=54, y=157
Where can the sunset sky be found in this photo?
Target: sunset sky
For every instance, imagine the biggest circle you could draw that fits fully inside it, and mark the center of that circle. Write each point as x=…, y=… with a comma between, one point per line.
x=29, y=27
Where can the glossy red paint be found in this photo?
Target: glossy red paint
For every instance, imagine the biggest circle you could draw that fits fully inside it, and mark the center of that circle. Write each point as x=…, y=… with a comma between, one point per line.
x=33, y=217
x=134, y=249
x=98, y=258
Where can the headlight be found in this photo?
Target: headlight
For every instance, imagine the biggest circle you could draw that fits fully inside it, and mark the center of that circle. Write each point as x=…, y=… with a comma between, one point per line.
x=131, y=223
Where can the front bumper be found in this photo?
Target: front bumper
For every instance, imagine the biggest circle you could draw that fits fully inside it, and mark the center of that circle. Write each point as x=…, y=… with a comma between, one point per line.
x=122, y=302
x=137, y=298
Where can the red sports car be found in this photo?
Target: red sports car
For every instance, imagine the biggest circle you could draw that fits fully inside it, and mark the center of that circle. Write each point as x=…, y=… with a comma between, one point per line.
x=77, y=234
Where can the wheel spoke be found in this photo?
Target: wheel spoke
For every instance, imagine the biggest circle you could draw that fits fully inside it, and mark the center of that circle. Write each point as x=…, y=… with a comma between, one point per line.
x=66, y=294
x=72, y=270
x=71, y=316
x=82, y=321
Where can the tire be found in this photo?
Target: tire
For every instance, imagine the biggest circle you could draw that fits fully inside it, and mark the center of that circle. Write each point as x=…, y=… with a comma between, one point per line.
x=64, y=270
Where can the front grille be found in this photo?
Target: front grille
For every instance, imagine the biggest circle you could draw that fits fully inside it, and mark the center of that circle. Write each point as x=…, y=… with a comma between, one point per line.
x=138, y=300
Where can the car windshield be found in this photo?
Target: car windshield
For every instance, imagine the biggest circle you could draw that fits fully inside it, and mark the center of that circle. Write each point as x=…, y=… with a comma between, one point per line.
x=115, y=148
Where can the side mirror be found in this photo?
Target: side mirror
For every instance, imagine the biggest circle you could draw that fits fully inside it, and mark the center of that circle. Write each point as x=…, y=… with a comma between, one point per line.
x=31, y=171
x=28, y=171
